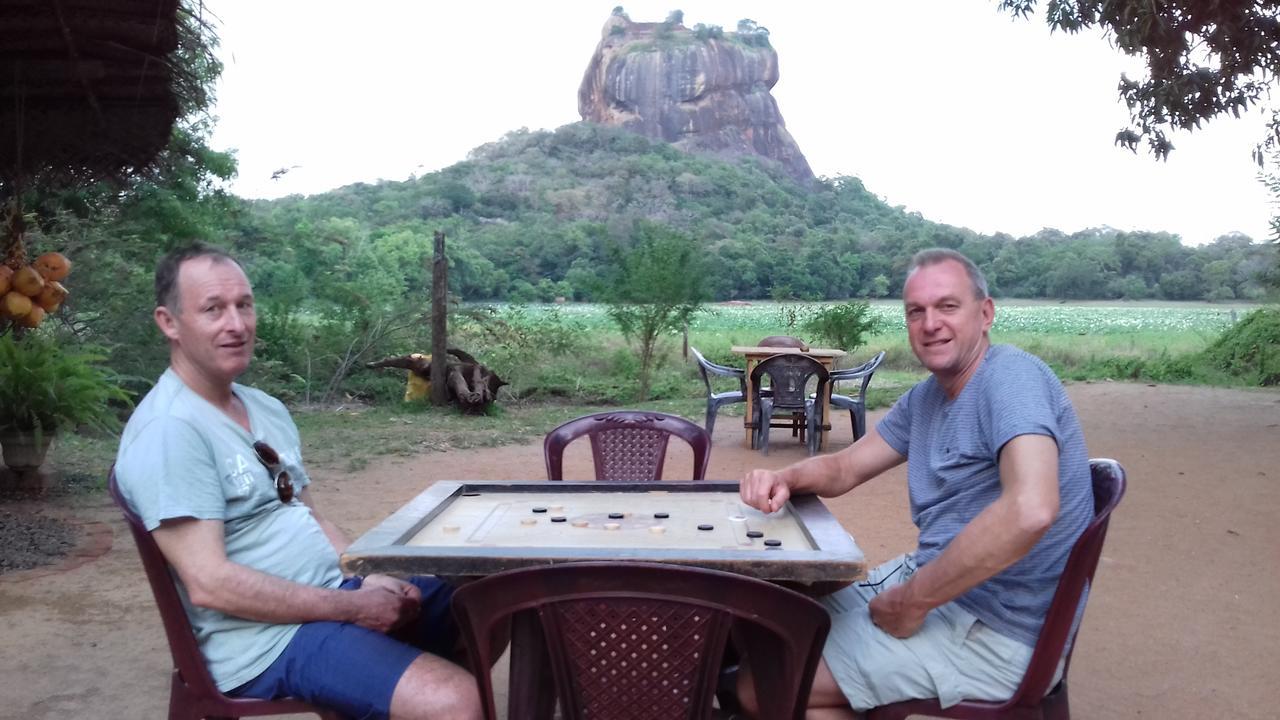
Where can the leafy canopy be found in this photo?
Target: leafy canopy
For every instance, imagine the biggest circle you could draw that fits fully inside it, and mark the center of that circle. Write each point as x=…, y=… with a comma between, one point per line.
x=1204, y=59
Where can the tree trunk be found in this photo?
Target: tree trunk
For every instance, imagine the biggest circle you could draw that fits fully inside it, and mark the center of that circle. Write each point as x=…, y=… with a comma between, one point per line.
x=439, y=318
x=468, y=384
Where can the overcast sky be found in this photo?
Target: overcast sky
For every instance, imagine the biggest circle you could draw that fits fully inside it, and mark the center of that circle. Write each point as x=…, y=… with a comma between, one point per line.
x=946, y=107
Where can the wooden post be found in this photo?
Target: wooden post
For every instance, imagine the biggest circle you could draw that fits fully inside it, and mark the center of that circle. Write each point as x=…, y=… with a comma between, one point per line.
x=439, y=315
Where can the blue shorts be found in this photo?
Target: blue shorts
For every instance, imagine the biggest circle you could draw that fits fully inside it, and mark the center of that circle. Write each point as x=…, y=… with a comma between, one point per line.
x=352, y=669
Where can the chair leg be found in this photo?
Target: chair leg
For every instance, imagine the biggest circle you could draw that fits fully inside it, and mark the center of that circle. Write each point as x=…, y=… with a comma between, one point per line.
x=711, y=422
x=766, y=415
x=815, y=433
x=1055, y=705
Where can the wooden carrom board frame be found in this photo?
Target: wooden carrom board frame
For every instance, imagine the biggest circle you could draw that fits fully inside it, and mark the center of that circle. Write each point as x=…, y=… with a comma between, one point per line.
x=834, y=561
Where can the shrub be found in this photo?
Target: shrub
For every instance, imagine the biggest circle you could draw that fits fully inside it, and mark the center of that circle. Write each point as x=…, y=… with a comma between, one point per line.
x=46, y=387
x=1250, y=348
x=845, y=326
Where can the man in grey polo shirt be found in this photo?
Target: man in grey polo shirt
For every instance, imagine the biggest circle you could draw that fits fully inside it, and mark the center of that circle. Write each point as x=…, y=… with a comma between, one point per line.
x=1000, y=489
x=214, y=469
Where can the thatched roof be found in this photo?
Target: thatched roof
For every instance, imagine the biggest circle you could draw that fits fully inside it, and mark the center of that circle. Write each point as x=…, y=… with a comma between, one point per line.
x=88, y=89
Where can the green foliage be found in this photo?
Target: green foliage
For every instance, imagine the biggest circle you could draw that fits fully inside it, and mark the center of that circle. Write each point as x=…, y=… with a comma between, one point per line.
x=752, y=34
x=656, y=288
x=708, y=32
x=1203, y=59
x=46, y=387
x=1251, y=348
x=845, y=326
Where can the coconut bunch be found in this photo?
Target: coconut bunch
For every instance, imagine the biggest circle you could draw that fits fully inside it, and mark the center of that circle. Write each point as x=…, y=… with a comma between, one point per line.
x=30, y=293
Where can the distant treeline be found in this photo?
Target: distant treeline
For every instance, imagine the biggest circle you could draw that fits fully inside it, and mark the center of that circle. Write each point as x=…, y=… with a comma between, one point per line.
x=536, y=215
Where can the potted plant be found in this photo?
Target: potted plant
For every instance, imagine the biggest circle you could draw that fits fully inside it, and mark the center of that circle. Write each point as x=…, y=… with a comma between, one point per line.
x=44, y=388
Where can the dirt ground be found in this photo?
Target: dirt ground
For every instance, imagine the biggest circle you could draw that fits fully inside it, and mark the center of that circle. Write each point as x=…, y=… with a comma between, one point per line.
x=1182, y=622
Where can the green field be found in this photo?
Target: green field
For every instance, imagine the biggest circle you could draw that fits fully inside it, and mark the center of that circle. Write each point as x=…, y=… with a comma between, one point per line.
x=1066, y=335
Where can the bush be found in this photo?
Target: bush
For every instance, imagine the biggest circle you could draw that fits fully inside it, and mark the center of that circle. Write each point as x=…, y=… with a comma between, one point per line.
x=845, y=326
x=1250, y=348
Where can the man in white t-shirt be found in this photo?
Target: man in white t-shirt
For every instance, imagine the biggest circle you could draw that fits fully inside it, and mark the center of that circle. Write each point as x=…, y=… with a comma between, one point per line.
x=214, y=469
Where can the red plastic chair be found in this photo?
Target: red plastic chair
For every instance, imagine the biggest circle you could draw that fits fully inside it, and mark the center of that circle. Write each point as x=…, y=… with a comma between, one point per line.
x=1029, y=701
x=627, y=445
x=193, y=695
x=643, y=641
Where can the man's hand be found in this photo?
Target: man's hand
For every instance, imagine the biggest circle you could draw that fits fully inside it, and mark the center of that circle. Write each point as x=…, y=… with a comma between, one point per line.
x=764, y=490
x=893, y=612
x=384, y=608
x=394, y=584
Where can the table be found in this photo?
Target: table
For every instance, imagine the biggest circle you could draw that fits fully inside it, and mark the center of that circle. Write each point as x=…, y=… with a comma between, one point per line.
x=473, y=529
x=755, y=354
x=469, y=529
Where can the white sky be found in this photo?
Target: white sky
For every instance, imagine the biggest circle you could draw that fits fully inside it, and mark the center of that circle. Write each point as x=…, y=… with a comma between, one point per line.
x=946, y=107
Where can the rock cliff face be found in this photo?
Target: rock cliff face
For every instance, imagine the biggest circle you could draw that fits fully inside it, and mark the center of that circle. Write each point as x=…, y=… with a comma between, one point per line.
x=702, y=95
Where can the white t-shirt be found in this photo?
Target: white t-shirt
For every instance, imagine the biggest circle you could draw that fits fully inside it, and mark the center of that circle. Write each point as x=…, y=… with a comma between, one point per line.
x=182, y=457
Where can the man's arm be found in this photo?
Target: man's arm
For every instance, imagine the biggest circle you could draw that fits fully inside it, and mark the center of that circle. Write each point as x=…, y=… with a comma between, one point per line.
x=196, y=550
x=336, y=537
x=997, y=538
x=824, y=475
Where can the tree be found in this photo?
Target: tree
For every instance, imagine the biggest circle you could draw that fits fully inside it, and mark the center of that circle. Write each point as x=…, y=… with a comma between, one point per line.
x=657, y=286
x=1204, y=59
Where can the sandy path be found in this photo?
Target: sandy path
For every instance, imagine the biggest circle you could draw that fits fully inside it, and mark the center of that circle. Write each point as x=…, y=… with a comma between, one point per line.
x=1182, y=623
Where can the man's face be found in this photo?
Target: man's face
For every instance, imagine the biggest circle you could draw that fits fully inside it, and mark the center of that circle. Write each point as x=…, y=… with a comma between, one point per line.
x=946, y=324
x=212, y=330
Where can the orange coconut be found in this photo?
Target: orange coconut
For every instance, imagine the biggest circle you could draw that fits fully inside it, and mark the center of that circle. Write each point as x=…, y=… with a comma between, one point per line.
x=53, y=266
x=33, y=318
x=6, y=279
x=52, y=296
x=14, y=304
x=28, y=282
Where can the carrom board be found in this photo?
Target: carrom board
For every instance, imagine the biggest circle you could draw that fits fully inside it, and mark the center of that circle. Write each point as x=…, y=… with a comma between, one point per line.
x=471, y=529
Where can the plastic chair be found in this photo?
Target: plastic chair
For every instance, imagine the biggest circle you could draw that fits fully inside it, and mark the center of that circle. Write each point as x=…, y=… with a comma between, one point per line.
x=631, y=640
x=856, y=405
x=627, y=445
x=714, y=399
x=789, y=375
x=192, y=693
x=1030, y=701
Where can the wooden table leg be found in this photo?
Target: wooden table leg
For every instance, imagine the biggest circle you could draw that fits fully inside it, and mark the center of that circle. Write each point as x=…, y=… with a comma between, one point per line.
x=531, y=691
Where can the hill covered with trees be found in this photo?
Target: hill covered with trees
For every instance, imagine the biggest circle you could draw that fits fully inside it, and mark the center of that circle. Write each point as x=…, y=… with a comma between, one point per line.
x=537, y=215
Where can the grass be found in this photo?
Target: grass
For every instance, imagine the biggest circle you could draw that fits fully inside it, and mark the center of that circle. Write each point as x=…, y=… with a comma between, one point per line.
x=594, y=370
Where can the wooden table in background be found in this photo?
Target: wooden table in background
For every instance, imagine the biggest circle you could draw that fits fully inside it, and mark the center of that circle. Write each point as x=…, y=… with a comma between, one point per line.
x=755, y=354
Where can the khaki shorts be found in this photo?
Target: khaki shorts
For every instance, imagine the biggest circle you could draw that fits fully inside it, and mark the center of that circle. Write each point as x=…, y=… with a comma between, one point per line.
x=953, y=657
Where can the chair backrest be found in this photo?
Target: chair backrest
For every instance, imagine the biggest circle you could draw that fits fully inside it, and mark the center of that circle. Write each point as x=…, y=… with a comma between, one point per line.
x=1108, y=487
x=187, y=659
x=627, y=445
x=863, y=372
x=706, y=368
x=645, y=640
x=788, y=373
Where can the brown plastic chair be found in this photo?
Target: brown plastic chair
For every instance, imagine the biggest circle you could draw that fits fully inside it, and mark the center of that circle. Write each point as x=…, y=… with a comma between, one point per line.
x=789, y=375
x=627, y=445
x=1029, y=701
x=643, y=641
x=192, y=694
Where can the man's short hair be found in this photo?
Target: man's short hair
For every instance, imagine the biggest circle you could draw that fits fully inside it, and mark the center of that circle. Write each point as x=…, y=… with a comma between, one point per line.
x=167, y=294
x=934, y=256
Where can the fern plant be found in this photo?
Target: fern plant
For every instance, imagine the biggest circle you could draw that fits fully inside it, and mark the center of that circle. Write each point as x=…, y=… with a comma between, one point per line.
x=45, y=387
